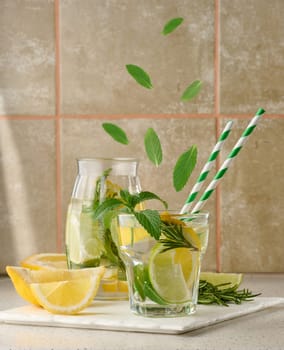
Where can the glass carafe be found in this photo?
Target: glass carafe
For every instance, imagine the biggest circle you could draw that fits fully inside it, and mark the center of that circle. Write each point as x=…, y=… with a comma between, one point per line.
x=88, y=241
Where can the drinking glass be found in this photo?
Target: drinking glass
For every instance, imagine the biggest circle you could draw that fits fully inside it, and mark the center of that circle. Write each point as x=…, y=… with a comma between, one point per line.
x=163, y=275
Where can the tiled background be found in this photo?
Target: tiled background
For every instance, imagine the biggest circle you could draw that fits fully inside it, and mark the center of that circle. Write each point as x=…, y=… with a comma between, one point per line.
x=62, y=73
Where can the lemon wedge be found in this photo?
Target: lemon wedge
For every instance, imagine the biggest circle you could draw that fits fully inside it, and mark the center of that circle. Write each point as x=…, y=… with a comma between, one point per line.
x=45, y=261
x=58, y=291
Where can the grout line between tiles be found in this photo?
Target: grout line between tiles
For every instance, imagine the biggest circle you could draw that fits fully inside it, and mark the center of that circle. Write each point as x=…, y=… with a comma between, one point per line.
x=218, y=130
x=28, y=117
x=217, y=59
x=59, y=234
x=218, y=223
x=137, y=116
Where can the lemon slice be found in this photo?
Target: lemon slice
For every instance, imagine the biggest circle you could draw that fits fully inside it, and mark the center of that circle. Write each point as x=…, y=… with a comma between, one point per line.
x=66, y=297
x=21, y=279
x=192, y=237
x=233, y=279
x=114, y=286
x=28, y=284
x=188, y=232
x=45, y=261
x=172, y=273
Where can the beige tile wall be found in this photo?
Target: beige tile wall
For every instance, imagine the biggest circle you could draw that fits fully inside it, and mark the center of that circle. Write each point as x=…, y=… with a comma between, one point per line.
x=62, y=73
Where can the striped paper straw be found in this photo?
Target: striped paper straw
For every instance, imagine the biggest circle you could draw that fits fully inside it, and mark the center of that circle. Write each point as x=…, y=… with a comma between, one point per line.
x=207, y=167
x=221, y=172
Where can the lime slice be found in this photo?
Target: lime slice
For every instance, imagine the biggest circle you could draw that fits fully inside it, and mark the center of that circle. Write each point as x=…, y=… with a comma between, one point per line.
x=233, y=279
x=91, y=245
x=143, y=285
x=172, y=273
x=73, y=235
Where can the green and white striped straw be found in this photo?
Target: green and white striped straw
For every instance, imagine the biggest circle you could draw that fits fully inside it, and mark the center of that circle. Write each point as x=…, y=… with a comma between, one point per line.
x=232, y=155
x=207, y=167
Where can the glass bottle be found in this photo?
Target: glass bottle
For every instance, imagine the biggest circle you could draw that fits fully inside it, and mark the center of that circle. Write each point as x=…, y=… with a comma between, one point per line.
x=89, y=242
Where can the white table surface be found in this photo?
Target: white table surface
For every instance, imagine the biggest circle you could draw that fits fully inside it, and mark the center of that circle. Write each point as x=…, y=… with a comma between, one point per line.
x=260, y=330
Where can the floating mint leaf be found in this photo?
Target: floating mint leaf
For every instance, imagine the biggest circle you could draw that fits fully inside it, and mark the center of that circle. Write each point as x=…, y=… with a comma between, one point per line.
x=150, y=220
x=184, y=167
x=171, y=25
x=192, y=90
x=139, y=75
x=153, y=147
x=116, y=133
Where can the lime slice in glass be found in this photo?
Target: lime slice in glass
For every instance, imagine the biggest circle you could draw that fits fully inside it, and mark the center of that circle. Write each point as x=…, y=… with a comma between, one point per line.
x=170, y=273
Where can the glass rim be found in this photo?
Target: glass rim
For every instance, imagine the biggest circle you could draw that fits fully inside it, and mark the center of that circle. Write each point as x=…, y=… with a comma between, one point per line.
x=201, y=214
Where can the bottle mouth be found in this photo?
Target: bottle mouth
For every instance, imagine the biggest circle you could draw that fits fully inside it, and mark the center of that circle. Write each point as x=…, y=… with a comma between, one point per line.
x=118, y=159
x=114, y=166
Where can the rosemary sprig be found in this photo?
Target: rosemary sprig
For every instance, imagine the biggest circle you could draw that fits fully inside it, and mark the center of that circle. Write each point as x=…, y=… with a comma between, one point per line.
x=174, y=237
x=219, y=294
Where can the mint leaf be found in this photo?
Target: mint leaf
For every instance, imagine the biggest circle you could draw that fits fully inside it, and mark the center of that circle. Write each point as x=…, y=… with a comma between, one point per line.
x=146, y=195
x=153, y=147
x=125, y=196
x=139, y=75
x=171, y=25
x=192, y=90
x=131, y=200
x=150, y=220
x=116, y=133
x=105, y=206
x=184, y=167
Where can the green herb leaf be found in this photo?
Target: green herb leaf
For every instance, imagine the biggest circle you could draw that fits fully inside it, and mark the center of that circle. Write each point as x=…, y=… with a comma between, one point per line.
x=184, y=167
x=153, y=147
x=146, y=195
x=105, y=206
x=139, y=75
x=131, y=200
x=126, y=196
x=192, y=90
x=150, y=220
x=116, y=133
x=173, y=236
x=210, y=294
x=171, y=25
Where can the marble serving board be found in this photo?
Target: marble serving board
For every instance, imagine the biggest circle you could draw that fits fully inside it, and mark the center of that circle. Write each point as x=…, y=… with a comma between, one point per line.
x=116, y=316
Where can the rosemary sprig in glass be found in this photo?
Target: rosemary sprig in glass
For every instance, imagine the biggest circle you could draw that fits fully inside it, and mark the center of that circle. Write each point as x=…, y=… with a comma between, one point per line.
x=174, y=237
x=222, y=295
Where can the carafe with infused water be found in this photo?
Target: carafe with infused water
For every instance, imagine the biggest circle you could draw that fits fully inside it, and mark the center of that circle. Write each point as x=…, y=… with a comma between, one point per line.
x=89, y=242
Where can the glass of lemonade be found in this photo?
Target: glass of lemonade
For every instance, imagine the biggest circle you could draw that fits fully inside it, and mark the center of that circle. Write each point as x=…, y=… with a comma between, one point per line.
x=163, y=275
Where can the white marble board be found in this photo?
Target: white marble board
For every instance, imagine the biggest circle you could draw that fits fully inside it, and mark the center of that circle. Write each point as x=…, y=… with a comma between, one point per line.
x=116, y=316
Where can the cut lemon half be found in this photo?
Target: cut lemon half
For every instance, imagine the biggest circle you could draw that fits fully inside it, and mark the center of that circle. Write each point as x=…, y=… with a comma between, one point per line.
x=32, y=284
x=216, y=278
x=45, y=261
x=172, y=273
